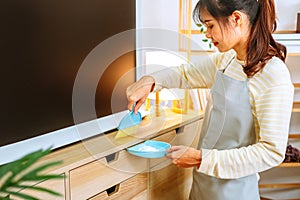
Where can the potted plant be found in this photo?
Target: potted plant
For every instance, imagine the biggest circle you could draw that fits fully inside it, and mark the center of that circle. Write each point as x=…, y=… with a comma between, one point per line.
x=17, y=176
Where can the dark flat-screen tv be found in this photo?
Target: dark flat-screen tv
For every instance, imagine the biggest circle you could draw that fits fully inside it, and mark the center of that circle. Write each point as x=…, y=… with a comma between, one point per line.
x=43, y=46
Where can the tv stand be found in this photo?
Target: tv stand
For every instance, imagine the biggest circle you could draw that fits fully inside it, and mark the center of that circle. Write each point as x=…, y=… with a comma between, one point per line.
x=101, y=168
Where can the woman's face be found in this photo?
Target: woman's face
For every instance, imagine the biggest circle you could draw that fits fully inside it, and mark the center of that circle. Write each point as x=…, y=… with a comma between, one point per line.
x=223, y=37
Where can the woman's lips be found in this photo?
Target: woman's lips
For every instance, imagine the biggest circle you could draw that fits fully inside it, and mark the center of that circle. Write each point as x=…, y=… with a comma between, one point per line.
x=216, y=43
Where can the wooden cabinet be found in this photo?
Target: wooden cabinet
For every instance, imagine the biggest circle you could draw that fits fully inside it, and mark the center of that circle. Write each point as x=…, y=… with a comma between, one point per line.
x=102, y=169
x=55, y=185
x=166, y=181
x=102, y=175
x=169, y=182
x=132, y=188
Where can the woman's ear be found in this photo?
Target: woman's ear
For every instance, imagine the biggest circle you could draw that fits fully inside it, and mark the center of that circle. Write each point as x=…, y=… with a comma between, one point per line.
x=237, y=18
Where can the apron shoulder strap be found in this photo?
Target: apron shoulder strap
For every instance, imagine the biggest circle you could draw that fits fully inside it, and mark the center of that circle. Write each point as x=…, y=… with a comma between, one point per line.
x=230, y=61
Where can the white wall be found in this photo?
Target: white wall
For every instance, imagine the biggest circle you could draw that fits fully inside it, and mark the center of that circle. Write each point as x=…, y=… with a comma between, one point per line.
x=162, y=17
x=287, y=13
x=164, y=13
x=158, y=14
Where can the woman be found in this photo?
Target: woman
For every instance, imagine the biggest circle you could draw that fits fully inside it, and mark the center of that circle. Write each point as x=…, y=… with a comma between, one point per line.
x=245, y=129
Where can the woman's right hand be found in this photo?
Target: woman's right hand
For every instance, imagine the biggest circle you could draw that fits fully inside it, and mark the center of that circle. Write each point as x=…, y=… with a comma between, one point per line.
x=139, y=91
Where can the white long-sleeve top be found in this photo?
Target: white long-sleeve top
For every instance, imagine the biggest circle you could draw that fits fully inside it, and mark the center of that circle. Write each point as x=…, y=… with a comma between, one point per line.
x=271, y=95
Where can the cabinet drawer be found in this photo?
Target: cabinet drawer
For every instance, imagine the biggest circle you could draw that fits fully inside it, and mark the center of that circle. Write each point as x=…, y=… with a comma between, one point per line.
x=188, y=135
x=57, y=185
x=164, y=176
x=169, y=182
x=90, y=179
x=167, y=137
x=133, y=188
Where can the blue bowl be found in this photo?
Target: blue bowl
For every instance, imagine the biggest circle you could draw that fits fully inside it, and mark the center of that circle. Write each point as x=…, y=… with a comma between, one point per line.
x=150, y=149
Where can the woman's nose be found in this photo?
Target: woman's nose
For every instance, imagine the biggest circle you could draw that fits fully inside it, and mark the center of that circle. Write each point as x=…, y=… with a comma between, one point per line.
x=208, y=34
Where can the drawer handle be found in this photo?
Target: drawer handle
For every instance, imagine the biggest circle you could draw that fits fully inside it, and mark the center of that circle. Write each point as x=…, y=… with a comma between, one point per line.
x=179, y=130
x=112, y=190
x=112, y=157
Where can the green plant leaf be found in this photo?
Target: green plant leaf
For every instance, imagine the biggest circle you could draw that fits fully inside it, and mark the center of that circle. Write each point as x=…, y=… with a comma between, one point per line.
x=18, y=166
x=12, y=179
x=21, y=195
x=41, y=189
x=205, y=40
x=5, y=198
x=33, y=174
x=4, y=169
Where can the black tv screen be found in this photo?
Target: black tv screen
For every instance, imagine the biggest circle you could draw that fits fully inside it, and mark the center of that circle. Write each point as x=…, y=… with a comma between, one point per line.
x=43, y=44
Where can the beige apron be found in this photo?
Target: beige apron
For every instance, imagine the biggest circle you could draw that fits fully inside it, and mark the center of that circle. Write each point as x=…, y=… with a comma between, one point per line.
x=228, y=124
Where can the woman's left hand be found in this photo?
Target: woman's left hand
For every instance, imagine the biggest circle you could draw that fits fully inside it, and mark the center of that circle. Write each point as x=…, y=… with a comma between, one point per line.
x=183, y=156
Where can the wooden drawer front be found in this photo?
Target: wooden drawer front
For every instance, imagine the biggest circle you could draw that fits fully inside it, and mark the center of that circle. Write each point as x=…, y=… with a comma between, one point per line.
x=133, y=188
x=167, y=137
x=166, y=181
x=170, y=182
x=57, y=185
x=188, y=135
x=88, y=180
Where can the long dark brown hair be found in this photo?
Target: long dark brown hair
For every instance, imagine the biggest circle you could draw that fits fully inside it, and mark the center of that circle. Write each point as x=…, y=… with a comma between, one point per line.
x=262, y=15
